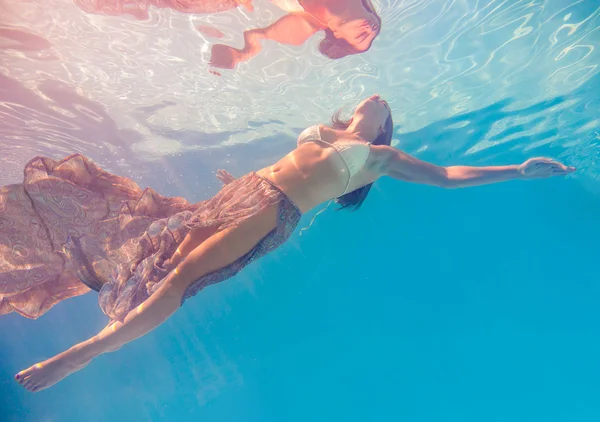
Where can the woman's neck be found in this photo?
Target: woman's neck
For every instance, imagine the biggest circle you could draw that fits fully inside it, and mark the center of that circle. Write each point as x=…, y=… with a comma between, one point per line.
x=363, y=130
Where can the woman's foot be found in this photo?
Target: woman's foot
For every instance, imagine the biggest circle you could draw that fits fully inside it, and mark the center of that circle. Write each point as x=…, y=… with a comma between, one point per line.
x=47, y=373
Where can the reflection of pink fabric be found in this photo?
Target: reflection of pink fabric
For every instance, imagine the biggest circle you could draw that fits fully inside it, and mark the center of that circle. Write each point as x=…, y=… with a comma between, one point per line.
x=139, y=8
x=210, y=31
x=288, y=5
x=72, y=224
x=197, y=6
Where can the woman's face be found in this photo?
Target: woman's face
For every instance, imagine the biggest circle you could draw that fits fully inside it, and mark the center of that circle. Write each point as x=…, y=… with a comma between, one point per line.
x=374, y=110
x=359, y=33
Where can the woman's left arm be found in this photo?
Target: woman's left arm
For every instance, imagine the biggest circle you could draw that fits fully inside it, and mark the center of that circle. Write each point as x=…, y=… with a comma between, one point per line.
x=399, y=165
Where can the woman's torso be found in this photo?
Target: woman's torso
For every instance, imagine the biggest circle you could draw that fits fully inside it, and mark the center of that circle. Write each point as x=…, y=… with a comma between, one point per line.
x=316, y=172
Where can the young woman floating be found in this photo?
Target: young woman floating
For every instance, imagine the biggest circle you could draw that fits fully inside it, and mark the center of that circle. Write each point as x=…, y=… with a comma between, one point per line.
x=71, y=226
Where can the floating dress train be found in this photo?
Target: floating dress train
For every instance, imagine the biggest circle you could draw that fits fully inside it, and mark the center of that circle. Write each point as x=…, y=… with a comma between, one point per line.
x=71, y=227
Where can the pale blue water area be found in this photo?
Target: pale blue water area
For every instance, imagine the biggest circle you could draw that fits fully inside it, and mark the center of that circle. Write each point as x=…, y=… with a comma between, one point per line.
x=427, y=305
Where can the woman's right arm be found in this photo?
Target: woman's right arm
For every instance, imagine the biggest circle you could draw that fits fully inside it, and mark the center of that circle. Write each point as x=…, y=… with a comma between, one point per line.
x=293, y=29
x=399, y=165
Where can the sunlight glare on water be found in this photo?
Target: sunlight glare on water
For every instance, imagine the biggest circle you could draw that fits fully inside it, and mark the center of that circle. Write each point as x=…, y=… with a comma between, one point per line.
x=433, y=61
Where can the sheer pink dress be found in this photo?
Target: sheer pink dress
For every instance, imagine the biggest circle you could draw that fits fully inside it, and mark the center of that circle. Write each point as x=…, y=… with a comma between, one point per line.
x=71, y=227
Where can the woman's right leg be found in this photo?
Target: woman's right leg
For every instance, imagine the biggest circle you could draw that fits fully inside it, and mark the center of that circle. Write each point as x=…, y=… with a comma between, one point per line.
x=224, y=248
x=191, y=241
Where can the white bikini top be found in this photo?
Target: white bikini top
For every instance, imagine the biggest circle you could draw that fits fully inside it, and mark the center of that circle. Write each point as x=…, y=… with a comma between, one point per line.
x=354, y=153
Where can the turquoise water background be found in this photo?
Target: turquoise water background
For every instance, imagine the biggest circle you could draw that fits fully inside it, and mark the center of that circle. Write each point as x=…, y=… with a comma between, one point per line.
x=427, y=305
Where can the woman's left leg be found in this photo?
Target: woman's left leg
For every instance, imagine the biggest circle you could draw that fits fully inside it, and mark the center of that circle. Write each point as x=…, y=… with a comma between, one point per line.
x=217, y=252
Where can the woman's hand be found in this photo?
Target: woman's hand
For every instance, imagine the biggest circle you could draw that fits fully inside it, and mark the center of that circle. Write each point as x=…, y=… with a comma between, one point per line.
x=225, y=177
x=536, y=168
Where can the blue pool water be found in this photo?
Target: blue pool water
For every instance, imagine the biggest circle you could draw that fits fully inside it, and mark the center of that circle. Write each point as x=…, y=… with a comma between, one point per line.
x=426, y=305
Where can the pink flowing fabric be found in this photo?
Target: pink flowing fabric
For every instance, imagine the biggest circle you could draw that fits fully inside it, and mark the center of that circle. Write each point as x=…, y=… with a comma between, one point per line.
x=71, y=226
x=139, y=8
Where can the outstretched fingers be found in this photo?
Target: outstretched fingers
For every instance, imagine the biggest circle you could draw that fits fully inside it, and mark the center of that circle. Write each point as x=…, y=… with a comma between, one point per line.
x=551, y=167
x=225, y=176
x=561, y=169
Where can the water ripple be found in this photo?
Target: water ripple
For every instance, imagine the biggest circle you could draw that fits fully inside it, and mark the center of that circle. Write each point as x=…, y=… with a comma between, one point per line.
x=510, y=77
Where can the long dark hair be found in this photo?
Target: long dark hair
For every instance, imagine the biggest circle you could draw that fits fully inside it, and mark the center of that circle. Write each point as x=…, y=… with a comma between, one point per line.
x=336, y=48
x=353, y=200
